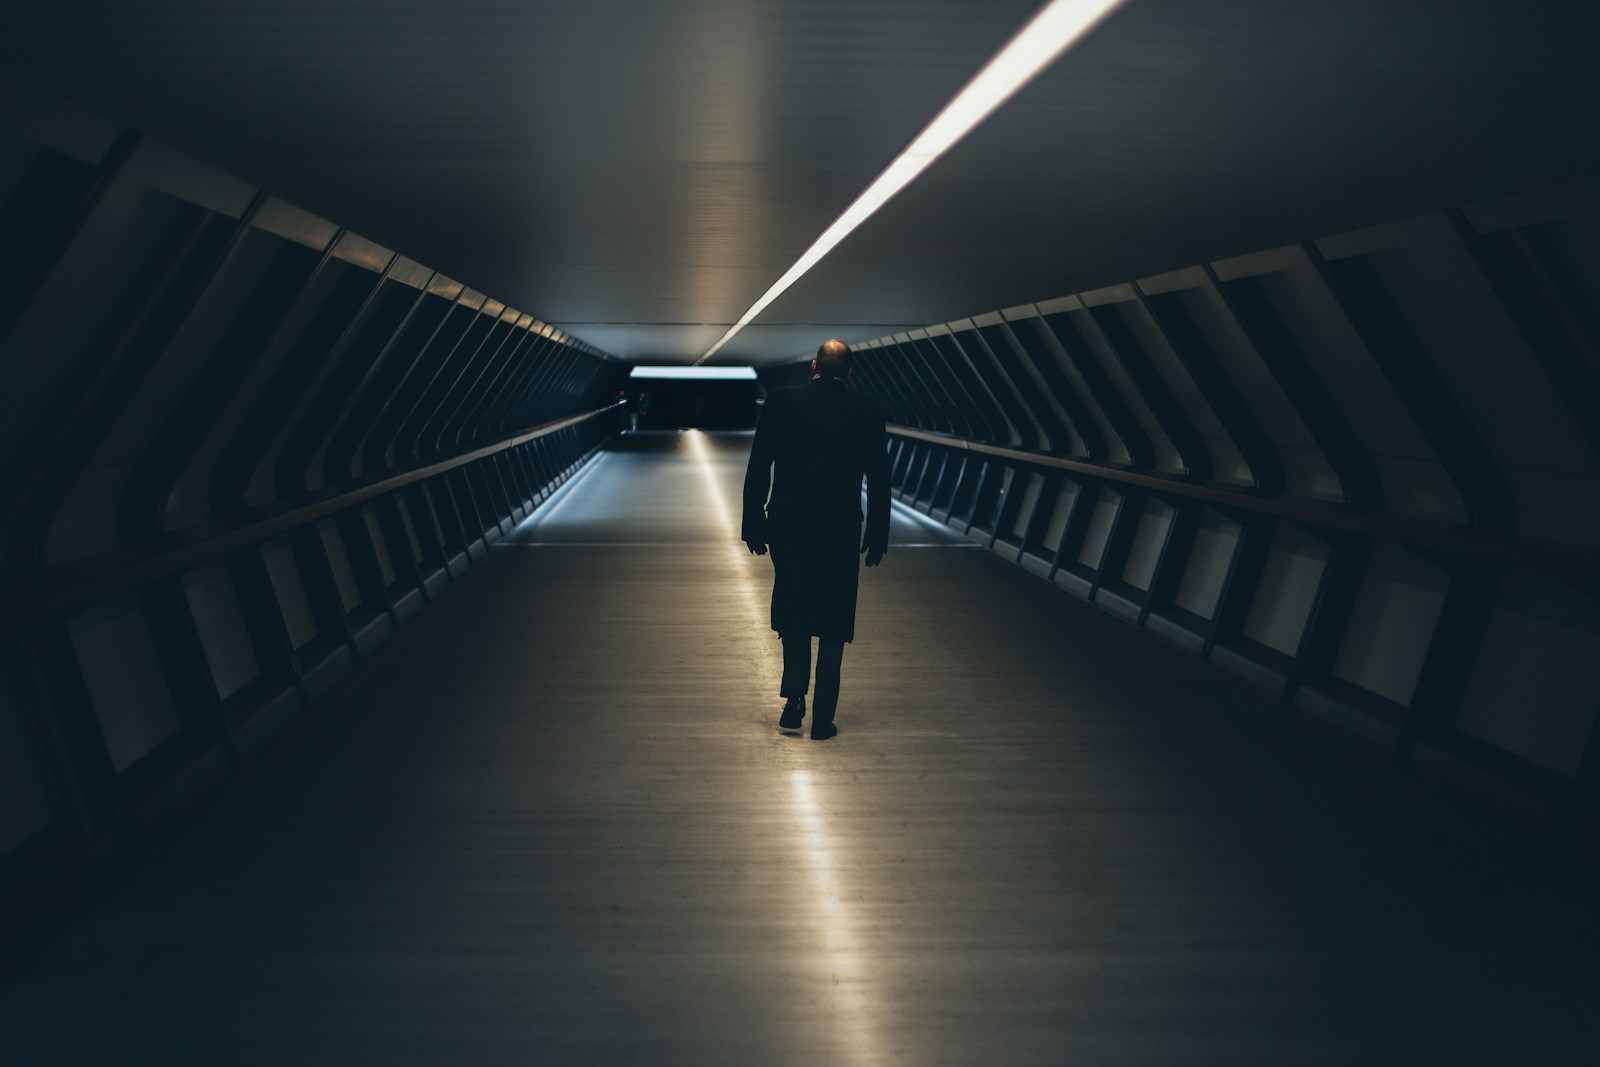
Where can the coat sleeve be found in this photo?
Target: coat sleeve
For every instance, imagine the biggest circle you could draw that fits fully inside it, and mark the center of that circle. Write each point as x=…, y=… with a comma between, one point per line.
x=758, y=475
x=876, y=464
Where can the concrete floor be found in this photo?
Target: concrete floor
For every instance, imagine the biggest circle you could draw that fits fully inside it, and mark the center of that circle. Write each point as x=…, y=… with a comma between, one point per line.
x=553, y=823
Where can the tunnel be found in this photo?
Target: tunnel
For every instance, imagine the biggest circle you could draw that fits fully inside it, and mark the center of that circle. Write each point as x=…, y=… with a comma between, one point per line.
x=389, y=669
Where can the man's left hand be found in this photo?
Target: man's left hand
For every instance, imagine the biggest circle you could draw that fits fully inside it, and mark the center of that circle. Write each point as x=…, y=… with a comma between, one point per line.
x=757, y=547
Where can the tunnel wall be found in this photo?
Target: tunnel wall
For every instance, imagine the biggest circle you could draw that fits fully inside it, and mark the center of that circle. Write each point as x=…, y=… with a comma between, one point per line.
x=240, y=447
x=1362, y=472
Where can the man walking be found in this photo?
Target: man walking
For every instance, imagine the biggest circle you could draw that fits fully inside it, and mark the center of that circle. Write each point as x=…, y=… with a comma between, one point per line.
x=813, y=446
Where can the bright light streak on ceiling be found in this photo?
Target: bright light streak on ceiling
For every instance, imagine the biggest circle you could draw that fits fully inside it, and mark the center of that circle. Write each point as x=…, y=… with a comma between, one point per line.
x=1055, y=28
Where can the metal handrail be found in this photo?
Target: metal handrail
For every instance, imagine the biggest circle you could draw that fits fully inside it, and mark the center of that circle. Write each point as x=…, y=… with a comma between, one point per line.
x=1510, y=550
x=72, y=587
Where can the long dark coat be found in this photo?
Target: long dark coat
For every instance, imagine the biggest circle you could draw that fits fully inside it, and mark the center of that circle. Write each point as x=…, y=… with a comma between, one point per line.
x=813, y=446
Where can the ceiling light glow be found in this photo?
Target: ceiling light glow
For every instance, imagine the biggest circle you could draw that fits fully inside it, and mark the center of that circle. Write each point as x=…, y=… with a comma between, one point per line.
x=700, y=373
x=1055, y=28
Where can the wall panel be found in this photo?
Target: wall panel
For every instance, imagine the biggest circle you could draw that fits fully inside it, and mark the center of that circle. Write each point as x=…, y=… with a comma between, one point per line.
x=1395, y=611
x=1420, y=565
x=1532, y=690
x=239, y=447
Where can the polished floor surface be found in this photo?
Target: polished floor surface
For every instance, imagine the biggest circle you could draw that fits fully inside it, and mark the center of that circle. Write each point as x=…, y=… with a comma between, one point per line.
x=554, y=823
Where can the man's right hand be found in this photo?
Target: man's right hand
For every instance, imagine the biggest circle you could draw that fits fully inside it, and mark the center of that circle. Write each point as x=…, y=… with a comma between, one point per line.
x=874, y=554
x=757, y=547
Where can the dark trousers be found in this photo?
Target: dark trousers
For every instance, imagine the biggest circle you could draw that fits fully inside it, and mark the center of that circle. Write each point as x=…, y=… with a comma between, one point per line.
x=797, y=674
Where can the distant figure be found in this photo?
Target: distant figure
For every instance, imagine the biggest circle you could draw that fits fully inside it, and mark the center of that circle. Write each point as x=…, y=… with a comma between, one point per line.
x=813, y=446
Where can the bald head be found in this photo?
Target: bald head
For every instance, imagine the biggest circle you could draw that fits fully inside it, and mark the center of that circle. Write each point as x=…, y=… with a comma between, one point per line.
x=833, y=360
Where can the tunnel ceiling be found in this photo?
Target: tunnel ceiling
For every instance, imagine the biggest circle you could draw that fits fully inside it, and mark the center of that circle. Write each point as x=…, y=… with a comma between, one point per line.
x=639, y=172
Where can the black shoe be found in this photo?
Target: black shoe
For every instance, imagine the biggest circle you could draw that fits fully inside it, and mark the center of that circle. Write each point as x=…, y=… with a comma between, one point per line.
x=793, y=712
x=821, y=731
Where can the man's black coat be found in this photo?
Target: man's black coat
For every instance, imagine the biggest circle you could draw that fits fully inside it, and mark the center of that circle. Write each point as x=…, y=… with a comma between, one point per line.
x=813, y=446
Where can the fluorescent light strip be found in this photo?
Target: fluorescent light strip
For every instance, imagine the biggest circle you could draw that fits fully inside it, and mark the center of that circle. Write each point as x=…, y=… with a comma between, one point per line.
x=702, y=373
x=1055, y=28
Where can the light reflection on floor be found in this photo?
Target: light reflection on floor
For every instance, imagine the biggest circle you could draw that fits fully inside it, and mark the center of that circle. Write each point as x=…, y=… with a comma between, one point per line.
x=841, y=965
x=846, y=970
x=739, y=574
